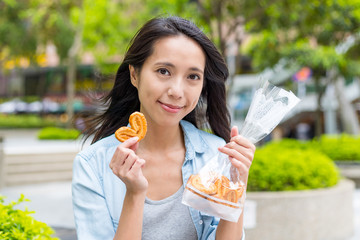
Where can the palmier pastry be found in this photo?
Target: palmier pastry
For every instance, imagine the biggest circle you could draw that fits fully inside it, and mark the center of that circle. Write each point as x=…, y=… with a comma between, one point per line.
x=225, y=182
x=240, y=191
x=230, y=195
x=221, y=183
x=195, y=180
x=226, y=192
x=138, y=127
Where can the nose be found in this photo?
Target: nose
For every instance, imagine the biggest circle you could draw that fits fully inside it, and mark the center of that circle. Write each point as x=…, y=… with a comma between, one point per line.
x=176, y=88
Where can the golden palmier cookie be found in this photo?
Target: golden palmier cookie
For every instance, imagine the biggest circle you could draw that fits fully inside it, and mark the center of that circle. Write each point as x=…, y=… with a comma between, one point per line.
x=225, y=182
x=230, y=195
x=222, y=181
x=138, y=128
x=240, y=191
x=195, y=180
x=226, y=192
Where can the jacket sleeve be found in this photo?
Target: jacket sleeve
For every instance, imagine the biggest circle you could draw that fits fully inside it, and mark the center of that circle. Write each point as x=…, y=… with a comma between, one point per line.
x=210, y=225
x=92, y=217
x=212, y=236
x=210, y=231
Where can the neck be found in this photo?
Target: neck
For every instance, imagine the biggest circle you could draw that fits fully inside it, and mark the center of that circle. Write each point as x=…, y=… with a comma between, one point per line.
x=159, y=138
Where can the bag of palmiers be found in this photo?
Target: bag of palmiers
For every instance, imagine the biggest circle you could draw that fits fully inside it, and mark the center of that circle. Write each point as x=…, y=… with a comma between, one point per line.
x=217, y=189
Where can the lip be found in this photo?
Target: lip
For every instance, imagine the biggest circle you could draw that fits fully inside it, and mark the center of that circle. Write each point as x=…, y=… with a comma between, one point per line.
x=170, y=108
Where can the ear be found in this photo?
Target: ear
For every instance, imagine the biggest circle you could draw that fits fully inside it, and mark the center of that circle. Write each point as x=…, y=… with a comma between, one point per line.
x=133, y=76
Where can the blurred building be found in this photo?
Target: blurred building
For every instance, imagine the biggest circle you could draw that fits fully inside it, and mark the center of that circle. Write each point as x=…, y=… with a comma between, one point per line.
x=300, y=122
x=47, y=81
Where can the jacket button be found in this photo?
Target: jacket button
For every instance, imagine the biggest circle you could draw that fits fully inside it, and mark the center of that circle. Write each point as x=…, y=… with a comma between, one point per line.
x=201, y=222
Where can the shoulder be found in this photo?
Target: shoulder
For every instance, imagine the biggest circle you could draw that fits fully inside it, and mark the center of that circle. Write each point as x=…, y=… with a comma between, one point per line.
x=99, y=152
x=105, y=143
x=92, y=163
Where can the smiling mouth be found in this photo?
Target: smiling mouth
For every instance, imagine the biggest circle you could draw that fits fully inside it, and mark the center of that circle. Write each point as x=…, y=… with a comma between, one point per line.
x=170, y=108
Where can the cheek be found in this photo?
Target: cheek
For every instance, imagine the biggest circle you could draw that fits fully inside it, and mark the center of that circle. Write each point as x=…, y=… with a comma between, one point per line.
x=147, y=91
x=144, y=94
x=196, y=96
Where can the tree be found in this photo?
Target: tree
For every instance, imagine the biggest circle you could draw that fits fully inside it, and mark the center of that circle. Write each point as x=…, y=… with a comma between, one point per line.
x=17, y=43
x=225, y=21
x=103, y=28
x=308, y=33
x=15, y=32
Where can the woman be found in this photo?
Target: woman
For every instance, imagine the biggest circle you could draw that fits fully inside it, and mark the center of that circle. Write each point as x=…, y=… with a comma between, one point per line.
x=132, y=190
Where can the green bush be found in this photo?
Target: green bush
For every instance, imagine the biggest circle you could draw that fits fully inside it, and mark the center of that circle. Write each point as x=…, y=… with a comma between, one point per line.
x=292, y=143
x=339, y=147
x=24, y=121
x=54, y=133
x=336, y=147
x=291, y=165
x=17, y=224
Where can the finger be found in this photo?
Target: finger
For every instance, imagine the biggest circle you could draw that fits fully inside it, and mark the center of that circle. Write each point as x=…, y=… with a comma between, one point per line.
x=246, y=152
x=129, y=162
x=234, y=131
x=115, y=158
x=138, y=164
x=130, y=142
x=243, y=142
x=135, y=146
x=236, y=155
x=119, y=156
x=240, y=166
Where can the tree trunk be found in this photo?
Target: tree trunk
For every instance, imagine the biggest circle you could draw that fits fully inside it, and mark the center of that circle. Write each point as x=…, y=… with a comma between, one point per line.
x=71, y=73
x=348, y=115
x=219, y=23
x=319, y=118
x=70, y=90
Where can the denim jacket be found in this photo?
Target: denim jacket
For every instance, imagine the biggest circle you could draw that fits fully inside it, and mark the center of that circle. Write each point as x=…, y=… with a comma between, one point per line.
x=98, y=194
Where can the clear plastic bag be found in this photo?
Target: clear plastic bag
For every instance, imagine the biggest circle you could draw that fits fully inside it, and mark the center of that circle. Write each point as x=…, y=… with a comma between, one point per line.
x=217, y=189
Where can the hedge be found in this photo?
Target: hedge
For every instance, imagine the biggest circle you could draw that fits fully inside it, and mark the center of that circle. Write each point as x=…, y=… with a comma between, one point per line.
x=339, y=147
x=291, y=165
x=54, y=133
x=25, y=121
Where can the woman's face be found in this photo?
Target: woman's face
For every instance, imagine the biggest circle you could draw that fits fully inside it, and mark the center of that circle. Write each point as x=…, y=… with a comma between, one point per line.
x=170, y=81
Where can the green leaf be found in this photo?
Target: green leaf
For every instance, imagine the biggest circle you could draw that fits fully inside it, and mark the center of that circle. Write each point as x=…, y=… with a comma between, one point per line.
x=18, y=224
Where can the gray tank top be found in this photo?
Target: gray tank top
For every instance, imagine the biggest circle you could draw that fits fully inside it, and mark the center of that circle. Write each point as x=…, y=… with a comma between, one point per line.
x=168, y=219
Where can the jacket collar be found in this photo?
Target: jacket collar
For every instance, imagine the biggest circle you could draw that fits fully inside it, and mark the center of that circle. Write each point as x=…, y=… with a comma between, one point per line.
x=193, y=137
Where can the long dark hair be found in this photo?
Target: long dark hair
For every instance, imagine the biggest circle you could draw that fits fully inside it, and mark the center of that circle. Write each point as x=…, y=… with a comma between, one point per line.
x=123, y=99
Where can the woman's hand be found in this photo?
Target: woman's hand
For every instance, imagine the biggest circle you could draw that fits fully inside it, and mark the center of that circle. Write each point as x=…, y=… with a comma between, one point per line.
x=241, y=153
x=127, y=166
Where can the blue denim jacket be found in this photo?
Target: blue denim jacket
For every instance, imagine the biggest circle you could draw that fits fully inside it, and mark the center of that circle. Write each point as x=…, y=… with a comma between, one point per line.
x=98, y=194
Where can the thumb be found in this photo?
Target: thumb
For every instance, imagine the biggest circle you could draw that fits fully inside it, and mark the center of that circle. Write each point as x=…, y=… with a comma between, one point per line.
x=131, y=143
x=134, y=146
x=234, y=131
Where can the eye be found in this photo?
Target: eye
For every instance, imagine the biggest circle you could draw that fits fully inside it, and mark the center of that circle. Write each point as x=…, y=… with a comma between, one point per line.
x=194, y=77
x=163, y=71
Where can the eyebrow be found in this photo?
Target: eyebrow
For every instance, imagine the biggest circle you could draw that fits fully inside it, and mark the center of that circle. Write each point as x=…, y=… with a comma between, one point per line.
x=172, y=65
